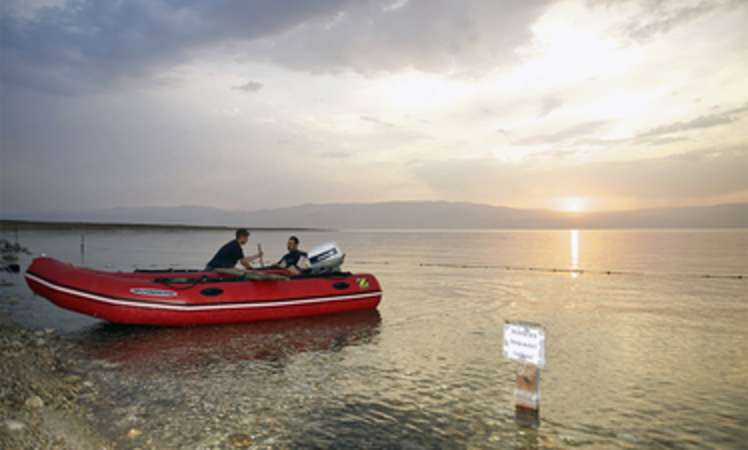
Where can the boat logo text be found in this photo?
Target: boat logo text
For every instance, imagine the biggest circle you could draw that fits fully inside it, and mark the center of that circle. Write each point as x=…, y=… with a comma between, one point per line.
x=153, y=292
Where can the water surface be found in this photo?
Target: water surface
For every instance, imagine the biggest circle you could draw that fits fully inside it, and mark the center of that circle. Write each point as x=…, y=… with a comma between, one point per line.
x=653, y=355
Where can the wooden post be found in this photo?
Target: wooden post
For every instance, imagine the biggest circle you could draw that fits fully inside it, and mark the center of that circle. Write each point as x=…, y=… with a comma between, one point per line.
x=83, y=248
x=525, y=342
x=527, y=396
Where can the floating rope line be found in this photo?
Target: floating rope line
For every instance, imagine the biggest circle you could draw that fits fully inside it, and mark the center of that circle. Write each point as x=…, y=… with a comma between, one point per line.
x=585, y=271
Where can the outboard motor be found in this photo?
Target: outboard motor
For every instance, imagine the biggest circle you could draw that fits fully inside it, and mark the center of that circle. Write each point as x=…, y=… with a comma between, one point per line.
x=325, y=258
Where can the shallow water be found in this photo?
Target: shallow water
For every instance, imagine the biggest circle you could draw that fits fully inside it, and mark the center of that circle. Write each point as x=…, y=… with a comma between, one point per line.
x=653, y=355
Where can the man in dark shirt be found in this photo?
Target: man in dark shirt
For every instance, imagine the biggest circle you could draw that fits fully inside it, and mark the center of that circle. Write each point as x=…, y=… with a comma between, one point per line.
x=231, y=253
x=292, y=259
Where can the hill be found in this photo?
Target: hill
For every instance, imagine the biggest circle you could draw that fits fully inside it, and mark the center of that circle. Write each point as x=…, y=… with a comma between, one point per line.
x=412, y=215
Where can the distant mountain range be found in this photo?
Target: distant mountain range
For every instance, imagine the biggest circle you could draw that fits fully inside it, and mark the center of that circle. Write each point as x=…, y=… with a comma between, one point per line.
x=447, y=215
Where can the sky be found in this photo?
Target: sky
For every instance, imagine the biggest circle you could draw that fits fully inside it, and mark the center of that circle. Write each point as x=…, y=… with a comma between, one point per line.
x=252, y=104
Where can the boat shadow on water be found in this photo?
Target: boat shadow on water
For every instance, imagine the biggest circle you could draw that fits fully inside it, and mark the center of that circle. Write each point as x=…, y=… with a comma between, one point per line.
x=142, y=347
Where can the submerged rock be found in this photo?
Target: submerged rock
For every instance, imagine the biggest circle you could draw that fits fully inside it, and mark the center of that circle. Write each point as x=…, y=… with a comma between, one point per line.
x=38, y=409
x=240, y=440
x=34, y=402
x=14, y=425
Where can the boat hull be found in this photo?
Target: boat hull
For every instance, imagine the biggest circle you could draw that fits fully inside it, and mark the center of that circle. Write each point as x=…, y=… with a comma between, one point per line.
x=207, y=299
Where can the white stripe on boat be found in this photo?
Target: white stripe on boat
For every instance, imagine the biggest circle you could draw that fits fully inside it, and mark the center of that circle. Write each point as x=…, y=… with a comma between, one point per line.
x=144, y=304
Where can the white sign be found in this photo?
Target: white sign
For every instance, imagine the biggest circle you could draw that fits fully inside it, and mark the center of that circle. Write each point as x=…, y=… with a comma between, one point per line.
x=524, y=342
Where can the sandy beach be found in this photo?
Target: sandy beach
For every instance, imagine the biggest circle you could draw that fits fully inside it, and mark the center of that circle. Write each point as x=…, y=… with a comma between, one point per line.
x=41, y=392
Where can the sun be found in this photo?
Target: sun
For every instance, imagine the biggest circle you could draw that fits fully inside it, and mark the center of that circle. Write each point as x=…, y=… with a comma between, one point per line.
x=573, y=204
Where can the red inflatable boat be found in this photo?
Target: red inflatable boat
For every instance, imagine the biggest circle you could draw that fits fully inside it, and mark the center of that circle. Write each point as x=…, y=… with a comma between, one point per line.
x=184, y=298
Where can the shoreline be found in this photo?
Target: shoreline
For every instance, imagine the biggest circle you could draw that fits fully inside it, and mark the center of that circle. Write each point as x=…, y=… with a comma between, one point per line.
x=41, y=397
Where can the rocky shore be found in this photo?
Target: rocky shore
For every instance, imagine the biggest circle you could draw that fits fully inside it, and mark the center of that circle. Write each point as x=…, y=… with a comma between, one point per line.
x=41, y=393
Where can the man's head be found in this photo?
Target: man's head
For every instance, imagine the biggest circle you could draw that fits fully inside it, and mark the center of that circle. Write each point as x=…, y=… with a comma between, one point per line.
x=293, y=243
x=242, y=236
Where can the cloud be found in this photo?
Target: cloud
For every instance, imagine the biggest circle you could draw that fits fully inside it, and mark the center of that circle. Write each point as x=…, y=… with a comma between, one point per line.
x=78, y=46
x=251, y=86
x=376, y=121
x=29, y=9
x=690, y=177
x=549, y=104
x=579, y=135
x=426, y=35
x=664, y=17
x=708, y=121
x=128, y=144
x=582, y=129
x=335, y=155
x=654, y=17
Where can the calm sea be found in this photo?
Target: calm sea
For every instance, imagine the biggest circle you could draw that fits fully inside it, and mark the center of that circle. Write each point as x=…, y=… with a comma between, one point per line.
x=646, y=341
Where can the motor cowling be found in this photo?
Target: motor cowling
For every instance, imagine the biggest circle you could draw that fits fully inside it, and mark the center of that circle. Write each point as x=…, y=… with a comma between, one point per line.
x=327, y=257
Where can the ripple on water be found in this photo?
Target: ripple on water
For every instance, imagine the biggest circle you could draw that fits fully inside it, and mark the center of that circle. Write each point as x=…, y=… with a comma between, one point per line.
x=633, y=361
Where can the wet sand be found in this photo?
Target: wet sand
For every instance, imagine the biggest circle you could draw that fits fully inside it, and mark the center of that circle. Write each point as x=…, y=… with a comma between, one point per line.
x=41, y=395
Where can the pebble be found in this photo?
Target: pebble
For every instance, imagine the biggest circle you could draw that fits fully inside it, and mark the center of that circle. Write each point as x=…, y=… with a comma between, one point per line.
x=134, y=433
x=240, y=440
x=34, y=402
x=14, y=425
x=568, y=440
x=72, y=378
x=106, y=364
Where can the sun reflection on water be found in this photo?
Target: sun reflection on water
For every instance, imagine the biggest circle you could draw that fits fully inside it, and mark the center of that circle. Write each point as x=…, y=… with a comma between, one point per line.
x=574, y=252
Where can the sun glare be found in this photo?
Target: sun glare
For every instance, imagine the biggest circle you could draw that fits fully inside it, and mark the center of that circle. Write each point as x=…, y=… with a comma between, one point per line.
x=416, y=91
x=568, y=51
x=573, y=204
